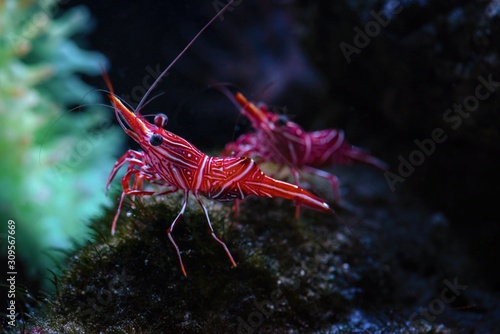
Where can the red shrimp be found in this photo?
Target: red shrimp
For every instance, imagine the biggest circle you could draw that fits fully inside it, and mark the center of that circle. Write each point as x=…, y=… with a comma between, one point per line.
x=277, y=139
x=174, y=164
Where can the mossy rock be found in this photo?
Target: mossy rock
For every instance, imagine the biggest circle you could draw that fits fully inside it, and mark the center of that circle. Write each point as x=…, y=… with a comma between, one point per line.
x=132, y=282
x=319, y=274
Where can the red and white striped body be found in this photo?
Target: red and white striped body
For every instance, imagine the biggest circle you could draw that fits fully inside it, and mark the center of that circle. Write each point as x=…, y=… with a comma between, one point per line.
x=181, y=165
x=175, y=164
x=286, y=143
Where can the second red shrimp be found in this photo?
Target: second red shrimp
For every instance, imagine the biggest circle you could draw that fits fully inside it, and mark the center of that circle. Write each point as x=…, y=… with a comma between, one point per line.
x=279, y=140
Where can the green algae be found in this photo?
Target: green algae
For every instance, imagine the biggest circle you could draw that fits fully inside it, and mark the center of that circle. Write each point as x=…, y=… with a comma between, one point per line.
x=52, y=158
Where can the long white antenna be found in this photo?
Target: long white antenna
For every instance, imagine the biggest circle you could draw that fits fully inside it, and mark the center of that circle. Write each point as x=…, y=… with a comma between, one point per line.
x=181, y=54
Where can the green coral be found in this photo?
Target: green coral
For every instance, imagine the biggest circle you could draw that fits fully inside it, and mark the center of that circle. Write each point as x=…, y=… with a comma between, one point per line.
x=54, y=162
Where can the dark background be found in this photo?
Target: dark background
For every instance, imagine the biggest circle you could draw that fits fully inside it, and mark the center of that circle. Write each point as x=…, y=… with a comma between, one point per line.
x=287, y=54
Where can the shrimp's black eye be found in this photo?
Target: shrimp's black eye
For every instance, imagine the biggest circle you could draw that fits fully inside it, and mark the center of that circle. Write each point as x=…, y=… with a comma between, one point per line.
x=161, y=120
x=156, y=140
x=281, y=121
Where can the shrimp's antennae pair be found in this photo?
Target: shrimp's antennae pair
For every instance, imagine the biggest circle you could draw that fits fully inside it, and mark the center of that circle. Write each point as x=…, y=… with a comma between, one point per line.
x=155, y=83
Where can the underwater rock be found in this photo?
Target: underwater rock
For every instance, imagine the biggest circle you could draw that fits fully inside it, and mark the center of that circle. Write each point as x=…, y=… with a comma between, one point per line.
x=372, y=267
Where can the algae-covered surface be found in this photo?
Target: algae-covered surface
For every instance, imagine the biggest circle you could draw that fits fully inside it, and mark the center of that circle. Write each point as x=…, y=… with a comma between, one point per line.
x=365, y=270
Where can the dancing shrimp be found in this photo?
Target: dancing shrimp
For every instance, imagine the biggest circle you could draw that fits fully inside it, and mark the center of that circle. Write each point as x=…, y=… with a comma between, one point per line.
x=279, y=140
x=174, y=164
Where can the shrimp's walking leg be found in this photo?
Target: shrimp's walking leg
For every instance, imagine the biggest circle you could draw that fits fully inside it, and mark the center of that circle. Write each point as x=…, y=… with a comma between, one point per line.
x=127, y=190
x=171, y=228
x=212, y=231
x=334, y=181
x=297, y=182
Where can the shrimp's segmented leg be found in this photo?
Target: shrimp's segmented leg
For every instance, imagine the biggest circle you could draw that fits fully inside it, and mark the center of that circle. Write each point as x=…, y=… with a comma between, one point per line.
x=127, y=190
x=131, y=157
x=171, y=228
x=334, y=181
x=236, y=208
x=176, y=220
x=296, y=178
x=212, y=231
